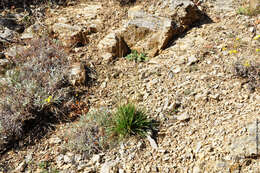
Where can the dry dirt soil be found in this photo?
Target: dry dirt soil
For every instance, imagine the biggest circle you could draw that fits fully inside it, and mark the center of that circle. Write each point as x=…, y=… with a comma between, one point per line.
x=208, y=115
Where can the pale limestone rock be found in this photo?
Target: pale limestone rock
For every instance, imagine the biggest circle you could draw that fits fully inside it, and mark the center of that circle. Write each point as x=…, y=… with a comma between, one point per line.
x=77, y=74
x=113, y=45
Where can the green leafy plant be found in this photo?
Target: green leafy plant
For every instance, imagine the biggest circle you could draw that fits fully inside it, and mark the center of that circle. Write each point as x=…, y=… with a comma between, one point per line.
x=135, y=56
x=128, y=120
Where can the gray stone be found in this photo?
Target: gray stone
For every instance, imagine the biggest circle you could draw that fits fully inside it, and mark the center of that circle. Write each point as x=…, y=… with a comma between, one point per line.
x=198, y=147
x=21, y=167
x=152, y=142
x=192, y=60
x=197, y=169
x=67, y=159
x=176, y=69
x=96, y=158
x=4, y=63
x=2, y=55
x=183, y=117
x=77, y=157
x=28, y=157
x=55, y=140
x=107, y=166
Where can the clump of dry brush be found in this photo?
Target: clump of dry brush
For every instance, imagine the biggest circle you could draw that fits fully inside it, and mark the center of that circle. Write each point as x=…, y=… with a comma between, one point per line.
x=34, y=92
x=250, y=72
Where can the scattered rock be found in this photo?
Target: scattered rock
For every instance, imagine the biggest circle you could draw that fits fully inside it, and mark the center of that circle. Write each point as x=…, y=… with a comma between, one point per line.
x=152, y=142
x=21, y=167
x=107, y=166
x=31, y=31
x=55, y=140
x=76, y=34
x=77, y=74
x=176, y=69
x=2, y=55
x=96, y=158
x=183, y=117
x=192, y=60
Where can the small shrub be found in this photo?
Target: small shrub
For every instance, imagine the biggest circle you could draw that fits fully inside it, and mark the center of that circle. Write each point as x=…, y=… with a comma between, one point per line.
x=128, y=120
x=35, y=91
x=135, y=56
x=90, y=135
x=98, y=131
x=249, y=71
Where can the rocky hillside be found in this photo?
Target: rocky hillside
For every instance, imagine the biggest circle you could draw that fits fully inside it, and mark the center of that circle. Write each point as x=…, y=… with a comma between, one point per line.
x=193, y=66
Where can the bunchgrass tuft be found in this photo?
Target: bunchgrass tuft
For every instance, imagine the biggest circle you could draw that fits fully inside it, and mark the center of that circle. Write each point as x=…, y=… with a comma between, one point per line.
x=128, y=120
x=100, y=130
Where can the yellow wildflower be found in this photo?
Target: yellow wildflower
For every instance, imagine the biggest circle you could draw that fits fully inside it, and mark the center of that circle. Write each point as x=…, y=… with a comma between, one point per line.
x=232, y=51
x=223, y=48
x=257, y=50
x=237, y=39
x=257, y=37
x=247, y=63
x=48, y=100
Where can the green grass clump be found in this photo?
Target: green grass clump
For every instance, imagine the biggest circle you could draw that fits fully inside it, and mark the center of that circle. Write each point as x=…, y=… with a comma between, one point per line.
x=128, y=120
x=247, y=11
x=98, y=131
x=135, y=56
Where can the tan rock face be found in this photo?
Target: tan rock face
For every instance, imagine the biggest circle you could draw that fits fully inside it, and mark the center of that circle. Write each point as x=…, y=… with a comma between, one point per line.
x=148, y=33
x=151, y=32
x=114, y=45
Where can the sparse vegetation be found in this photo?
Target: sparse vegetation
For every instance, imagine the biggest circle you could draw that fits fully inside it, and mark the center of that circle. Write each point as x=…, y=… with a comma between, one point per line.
x=45, y=167
x=35, y=91
x=249, y=71
x=135, y=56
x=100, y=130
x=128, y=120
x=90, y=135
x=248, y=11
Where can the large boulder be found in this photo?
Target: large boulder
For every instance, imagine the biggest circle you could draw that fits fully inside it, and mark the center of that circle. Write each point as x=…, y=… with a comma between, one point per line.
x=153, y=30
x=148, y=33
x=184, y=12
